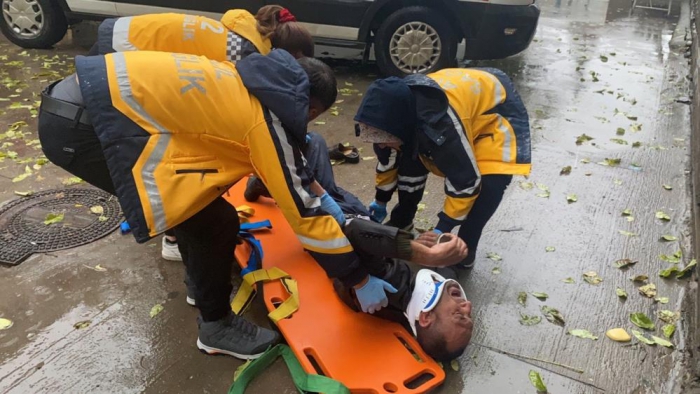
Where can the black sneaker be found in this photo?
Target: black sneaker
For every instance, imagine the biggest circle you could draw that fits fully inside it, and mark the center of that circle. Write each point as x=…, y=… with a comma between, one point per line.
x=235, y=336
x=254, y=189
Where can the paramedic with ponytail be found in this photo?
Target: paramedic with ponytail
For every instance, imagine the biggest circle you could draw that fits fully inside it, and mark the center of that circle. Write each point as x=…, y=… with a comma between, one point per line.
x=236, y=36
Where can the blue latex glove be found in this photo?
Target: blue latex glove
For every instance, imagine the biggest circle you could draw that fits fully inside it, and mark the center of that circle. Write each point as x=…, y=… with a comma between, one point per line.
x=377, y=211
x=332, y=208
x=372, y=295
x=308, y=138
x=436, y=231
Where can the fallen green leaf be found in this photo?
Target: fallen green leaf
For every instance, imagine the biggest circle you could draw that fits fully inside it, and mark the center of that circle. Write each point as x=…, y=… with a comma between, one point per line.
x=673, y=270
x=493, y=256
x=454, y=364
x=496, y=270
x=583, y=138
x=571, y=198
x=529, y=320
x=72, y=181
x=667, y=187
x=661, y=341
x=319, y=123
x=668, y=330
x=668, y=238
x=420, y=207
x=53, y=218
x=522, y=298
x=635, y=127
x=537, y=381
x=667, y=316
x=627, y=212
x=610, y=162
x=619, y=141
x=22, y=194
x=639, y=278
x=585, y=160
x=687, y=269
x=662, y=215
x=661, y=300
x=365, y=158
x=636, y=144
x=648, y=290
x=97, y=209
x=157, y=308
x=641, y=338
x=540, y=296
x=621, y=293
x=549, y=249
x=585, y=334
x=624, y=263
x=5, y=323
x=553, y=315
x=617, y=182
x=620, y=131
x=82, y=324
x=603, y=58
x=627, y=233
x=526, y=185
x=569, y=280
x=641, y=320
x=565, y=170
x=675, y=258
x=544, y=194
x=592, y=277
x=102, y=218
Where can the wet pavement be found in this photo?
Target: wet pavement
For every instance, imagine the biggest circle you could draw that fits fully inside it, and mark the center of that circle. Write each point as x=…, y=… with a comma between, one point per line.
x=594, y=68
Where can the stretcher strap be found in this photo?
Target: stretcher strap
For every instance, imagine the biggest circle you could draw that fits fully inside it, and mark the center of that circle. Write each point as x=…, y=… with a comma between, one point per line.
x=303, y=381
x=246, y=293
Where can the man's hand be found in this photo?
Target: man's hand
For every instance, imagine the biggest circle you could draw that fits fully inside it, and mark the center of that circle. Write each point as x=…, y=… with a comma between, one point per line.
x=428, y=238
x=371, y=294
x=427, y=252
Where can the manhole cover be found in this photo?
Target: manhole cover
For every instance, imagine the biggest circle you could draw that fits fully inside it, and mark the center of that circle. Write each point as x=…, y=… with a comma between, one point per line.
x=22, y=228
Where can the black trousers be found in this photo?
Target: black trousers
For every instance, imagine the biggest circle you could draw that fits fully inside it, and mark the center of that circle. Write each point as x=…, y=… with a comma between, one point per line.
x=411, y=185
x=206, y=240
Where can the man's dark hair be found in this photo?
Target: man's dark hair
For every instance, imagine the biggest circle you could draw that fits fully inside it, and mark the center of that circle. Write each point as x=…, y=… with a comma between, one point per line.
x=324, y=87
x=433, y=342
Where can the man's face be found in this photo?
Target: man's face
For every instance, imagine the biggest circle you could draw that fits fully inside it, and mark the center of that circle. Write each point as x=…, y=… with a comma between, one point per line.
x=315, y=109
x=453, y=315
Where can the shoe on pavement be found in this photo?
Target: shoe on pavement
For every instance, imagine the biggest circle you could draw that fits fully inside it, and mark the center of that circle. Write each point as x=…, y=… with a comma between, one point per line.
x=170, y=251
x=254, y=189
x=235, y=336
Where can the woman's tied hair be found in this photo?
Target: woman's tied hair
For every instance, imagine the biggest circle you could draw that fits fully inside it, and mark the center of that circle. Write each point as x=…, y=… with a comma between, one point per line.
x=281, y=27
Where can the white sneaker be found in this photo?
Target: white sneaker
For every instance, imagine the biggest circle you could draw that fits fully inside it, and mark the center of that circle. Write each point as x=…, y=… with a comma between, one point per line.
x=170, y=251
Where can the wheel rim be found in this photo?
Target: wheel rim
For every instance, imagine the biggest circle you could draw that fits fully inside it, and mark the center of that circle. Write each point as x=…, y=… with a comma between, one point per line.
x=415, y=47
x=24, y=17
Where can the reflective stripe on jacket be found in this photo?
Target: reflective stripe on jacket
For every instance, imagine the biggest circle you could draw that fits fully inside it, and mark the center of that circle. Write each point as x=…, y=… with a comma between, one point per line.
x=232, y=39
x=472, y=122
x=178, y=130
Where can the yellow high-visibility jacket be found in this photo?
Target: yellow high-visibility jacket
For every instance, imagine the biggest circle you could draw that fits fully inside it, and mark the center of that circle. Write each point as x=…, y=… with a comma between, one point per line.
x=232, y=39
x=178, y=130
x=473, y=123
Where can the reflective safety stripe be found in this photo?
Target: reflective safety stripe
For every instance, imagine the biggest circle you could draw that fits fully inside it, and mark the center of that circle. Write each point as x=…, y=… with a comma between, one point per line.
x=288, y=161
x=507, y=140
x=412, y=179
x=156, y=156
x=388, y=187
x=390, y=165
x=499, y=93
x=411, y=189
x=470, y=152
x=328, y=244
x=120, y=35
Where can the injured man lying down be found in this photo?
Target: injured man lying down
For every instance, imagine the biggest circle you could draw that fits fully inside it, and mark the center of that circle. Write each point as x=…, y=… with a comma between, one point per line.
x=435, y=309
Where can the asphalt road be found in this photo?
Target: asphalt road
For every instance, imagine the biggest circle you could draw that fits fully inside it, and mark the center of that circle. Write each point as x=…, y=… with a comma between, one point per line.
x=594, y=69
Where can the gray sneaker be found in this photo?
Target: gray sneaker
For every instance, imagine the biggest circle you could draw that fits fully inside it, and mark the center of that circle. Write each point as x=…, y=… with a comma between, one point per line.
x=235, y=336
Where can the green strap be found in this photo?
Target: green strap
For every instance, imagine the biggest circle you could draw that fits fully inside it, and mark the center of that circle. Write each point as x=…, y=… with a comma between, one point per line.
x=303, y=381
